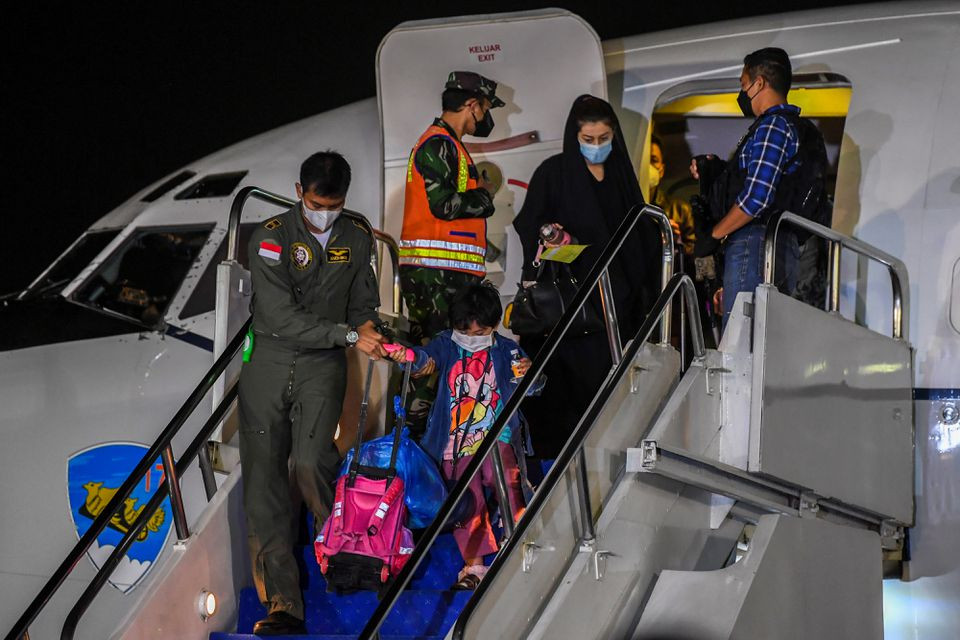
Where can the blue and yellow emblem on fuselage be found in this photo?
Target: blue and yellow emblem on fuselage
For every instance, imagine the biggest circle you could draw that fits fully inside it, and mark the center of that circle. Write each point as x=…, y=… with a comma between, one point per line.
x=93, y=477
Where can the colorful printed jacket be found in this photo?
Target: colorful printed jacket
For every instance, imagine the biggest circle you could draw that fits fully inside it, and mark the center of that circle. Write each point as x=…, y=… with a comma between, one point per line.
x=447, y=355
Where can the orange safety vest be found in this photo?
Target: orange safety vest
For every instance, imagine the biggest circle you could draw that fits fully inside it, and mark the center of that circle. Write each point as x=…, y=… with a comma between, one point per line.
x=428, y=241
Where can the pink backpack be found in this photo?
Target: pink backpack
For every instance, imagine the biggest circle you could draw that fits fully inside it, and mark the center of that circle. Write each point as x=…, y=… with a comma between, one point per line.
x=364, y=541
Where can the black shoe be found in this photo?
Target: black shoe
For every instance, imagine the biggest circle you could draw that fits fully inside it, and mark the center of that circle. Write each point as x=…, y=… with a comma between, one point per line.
x=468, y=582
x=280, y=623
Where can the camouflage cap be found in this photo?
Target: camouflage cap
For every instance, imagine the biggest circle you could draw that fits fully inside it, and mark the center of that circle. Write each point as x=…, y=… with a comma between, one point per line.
x=475, y=83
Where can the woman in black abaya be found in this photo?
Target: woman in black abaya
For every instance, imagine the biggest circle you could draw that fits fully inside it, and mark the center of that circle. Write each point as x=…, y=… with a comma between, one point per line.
x=587, y=189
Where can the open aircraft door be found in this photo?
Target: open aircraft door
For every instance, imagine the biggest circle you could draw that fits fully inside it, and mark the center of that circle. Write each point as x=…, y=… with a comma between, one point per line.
x=541, y=61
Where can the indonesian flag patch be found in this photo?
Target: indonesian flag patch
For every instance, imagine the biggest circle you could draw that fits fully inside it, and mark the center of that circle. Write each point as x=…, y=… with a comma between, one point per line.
x=270, y=251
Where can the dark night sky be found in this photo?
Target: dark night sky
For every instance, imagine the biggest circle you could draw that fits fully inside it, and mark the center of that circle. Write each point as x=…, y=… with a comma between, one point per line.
x=99, y=102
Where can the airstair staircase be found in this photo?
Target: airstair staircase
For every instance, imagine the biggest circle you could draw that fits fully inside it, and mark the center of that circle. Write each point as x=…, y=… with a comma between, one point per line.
x=749, y=491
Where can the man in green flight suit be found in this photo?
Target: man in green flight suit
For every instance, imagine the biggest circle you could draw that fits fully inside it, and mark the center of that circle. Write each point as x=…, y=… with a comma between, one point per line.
x=446, y=203
x=314, y=293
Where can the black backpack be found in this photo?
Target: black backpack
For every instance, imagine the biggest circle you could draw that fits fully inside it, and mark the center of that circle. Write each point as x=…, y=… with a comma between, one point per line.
x=802, y=191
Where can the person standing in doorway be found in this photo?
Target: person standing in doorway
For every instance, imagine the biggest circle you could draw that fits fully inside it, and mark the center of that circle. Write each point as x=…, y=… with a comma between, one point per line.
x=757, y=181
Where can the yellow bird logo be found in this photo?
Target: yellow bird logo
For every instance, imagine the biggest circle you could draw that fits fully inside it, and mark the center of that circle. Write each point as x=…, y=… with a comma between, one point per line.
x=98, y=497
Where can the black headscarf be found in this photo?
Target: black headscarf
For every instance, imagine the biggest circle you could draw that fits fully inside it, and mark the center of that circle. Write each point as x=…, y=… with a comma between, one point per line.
x=563, y=190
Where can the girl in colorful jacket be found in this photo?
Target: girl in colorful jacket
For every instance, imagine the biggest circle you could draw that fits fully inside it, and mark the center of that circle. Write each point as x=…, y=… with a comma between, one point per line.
x=479, y=370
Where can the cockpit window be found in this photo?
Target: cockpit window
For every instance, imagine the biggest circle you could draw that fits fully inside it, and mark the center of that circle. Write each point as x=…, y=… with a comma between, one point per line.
x=69, y=265
x=203, y=298
x=139, y=279
x=215, y=185
x=168, y=185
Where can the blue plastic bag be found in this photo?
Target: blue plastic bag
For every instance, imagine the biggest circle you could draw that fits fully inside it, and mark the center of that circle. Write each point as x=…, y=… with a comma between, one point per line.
x=424, y=488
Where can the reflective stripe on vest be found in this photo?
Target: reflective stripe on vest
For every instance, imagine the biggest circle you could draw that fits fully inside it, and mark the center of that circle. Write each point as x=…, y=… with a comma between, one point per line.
x=439, y=263
x=463, y=173
x=428, y=241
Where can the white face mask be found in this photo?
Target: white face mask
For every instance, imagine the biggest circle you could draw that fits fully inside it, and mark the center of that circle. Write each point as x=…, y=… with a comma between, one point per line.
x=654, y=177
x=320, y=219
x=472, y=343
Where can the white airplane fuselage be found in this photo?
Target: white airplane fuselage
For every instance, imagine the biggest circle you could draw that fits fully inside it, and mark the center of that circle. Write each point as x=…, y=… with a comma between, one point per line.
x=897, y=188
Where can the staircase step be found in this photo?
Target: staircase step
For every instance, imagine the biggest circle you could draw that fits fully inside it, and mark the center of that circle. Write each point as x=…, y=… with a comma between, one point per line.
x=323, y=636
x=427, y=606
x=437, y=572
x=430, y=612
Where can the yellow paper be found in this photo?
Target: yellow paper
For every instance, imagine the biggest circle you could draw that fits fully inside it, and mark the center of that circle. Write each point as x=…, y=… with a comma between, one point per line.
x=567, y=253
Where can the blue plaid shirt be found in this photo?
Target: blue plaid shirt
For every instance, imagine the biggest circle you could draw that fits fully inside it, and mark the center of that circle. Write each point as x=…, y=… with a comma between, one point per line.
x=773, y=143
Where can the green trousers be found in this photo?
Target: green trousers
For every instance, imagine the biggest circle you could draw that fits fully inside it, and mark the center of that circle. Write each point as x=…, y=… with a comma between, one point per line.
x=290, y=402
x=428, y=294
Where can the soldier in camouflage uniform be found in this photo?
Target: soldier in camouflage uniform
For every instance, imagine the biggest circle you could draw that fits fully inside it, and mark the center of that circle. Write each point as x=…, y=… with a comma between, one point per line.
x=446, y=204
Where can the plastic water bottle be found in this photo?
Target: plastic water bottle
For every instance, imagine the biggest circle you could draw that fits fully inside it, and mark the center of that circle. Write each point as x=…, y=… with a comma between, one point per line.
x=554, y=234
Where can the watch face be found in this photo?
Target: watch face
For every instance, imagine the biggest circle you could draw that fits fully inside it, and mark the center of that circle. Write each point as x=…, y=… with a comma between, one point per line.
x=352, y=337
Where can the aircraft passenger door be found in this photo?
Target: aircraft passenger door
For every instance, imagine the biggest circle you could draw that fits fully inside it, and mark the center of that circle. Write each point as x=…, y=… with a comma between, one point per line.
x=541, y=60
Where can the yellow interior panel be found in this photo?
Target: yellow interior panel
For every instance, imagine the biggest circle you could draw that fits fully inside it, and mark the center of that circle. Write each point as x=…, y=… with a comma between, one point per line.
x=814, y=103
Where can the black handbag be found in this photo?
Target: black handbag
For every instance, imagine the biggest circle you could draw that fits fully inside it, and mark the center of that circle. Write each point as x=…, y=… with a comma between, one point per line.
x=538, y=307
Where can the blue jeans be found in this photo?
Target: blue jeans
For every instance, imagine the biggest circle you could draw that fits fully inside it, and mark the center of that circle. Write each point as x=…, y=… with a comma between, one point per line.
x=743, y=263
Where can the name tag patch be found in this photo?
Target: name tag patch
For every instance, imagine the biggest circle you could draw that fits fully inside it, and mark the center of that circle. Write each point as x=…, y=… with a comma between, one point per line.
x=338, y=254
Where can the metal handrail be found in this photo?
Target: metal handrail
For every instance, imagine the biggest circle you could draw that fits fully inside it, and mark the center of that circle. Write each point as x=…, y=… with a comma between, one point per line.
x=233, y=234
x=666, y=239
x=396, y=587
x=192, y=451
x=393, y=249
x=163, y=447
x=898, y=271
x=100, y=523
x=574, y=444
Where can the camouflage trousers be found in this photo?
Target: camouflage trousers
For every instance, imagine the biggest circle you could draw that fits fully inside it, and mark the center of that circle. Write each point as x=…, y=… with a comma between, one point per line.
x=428, y=294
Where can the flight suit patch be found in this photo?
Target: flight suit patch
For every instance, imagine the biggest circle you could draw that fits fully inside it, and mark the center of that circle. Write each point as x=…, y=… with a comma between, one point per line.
x=270, y=251
x=338, y=254
x=301, y=255
x=272, y=224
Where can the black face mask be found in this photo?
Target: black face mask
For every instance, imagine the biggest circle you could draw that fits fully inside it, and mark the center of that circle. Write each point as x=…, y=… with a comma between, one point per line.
x=483, y=127
x=744, y=102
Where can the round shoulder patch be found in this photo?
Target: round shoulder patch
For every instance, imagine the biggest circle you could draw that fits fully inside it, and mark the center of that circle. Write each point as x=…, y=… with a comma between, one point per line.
x=301, y=255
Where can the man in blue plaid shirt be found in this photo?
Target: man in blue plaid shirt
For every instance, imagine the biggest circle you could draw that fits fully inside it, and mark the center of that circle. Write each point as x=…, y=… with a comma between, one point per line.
x=763, y=156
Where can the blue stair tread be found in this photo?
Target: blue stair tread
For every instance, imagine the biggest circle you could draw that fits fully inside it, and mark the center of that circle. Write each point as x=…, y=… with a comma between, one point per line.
x=437, y=571
x=315, y=636
x=431, y=612
x=427, y=607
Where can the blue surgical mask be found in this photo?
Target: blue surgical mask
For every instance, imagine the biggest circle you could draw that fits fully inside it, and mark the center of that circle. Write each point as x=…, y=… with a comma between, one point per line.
x=596, y=153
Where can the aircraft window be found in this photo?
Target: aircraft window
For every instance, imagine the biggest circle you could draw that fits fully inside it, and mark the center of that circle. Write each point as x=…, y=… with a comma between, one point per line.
x=139, y=279
x=215, y=185
x=203, y=298
x=175, y=181
x=69, y=265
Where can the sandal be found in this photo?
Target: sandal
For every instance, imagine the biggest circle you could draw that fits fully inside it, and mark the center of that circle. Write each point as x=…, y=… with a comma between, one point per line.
x=468, y=582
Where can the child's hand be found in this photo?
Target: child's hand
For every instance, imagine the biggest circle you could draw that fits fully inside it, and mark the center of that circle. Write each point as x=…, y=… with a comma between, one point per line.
x=398, y=355
x=523, y=366
x=426, y=370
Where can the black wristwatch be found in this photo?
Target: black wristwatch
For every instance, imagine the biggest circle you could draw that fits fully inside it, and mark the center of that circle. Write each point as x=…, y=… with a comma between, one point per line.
x=352, y=337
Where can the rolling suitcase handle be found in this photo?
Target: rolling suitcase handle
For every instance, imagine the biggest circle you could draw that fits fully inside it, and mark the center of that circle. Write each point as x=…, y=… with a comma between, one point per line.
x=355, y=464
